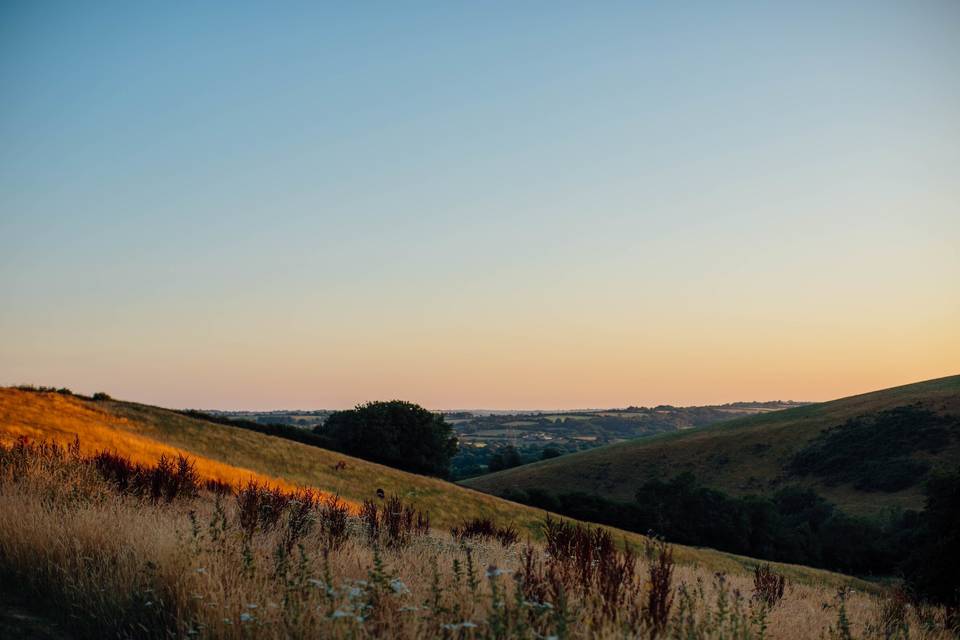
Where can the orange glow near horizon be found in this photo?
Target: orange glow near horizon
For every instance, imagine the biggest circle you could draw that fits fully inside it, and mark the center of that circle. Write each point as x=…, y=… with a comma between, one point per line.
x=586, y=207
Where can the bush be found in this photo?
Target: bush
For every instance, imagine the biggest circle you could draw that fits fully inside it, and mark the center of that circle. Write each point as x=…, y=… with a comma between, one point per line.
x=395, y=523
x=550, y=452
x=100, y=395
x=506, y=458
x=168, y=480
x=486, y=529
x=768, y=585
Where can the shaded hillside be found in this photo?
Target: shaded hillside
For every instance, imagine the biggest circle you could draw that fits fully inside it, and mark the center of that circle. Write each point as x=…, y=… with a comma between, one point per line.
x=144, y=432
x=760, y=454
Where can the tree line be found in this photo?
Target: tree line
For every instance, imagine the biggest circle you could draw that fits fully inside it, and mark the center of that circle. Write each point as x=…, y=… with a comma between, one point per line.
x=795, y=525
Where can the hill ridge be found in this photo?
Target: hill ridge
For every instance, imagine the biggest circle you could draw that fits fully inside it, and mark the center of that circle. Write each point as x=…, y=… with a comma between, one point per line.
x=740, y=456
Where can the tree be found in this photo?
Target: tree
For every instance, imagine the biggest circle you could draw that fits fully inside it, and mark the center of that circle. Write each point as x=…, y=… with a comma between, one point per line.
x=506, y=458
x=395, y=433
x=550, y=452
x=931, y=570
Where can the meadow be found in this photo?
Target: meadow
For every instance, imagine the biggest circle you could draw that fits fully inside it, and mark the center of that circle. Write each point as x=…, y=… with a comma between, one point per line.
x=115, y=547
x=144, y=433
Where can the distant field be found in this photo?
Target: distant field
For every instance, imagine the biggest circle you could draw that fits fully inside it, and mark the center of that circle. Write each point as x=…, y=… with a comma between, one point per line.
x=145, y=432
x=740, y=456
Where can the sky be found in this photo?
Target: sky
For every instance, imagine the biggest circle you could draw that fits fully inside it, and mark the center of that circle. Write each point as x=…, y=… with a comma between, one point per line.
x=479, y=205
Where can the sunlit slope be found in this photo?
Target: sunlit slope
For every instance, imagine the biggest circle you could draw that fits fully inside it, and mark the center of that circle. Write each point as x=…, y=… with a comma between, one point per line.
x=741, y=456
x=145, y=432
x=52, y=416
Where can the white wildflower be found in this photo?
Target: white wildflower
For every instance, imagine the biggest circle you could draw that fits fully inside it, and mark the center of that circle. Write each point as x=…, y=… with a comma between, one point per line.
x=466, y=624
x=493, y=571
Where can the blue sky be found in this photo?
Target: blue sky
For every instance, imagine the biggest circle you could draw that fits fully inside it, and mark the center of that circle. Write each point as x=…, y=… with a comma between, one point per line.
x=251, y=204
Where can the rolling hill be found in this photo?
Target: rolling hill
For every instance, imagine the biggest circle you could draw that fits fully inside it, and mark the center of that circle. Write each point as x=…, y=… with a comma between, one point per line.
x=144, y=433
x=845, y=449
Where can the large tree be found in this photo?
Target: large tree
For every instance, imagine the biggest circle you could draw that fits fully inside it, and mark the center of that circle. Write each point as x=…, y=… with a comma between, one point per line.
x=395, y=433
x=931, y=569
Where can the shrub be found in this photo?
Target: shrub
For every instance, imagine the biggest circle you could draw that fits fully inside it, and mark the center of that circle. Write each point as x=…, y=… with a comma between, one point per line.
x=218, y=487
x=100, y=395
x=166, y=481
x=660, y=596
x=395, y=523
x=259, y=507
x=333, y=521
x=550, y=452
x=42, y=389
x=768, y=585
x=486, y=529
x=300, y=516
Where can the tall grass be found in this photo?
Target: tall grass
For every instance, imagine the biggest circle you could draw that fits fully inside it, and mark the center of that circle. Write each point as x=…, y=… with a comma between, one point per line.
x=112, y=557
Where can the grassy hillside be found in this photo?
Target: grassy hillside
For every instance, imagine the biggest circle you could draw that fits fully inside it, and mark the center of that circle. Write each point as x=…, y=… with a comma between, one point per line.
x=157, y=554
x=746, y=455
x=144, y=432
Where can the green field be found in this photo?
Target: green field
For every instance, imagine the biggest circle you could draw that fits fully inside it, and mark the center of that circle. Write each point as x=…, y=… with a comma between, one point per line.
x=742, y=456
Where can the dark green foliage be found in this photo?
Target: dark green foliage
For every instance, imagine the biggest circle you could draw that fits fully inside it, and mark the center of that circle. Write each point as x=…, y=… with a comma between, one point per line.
x=473, y=461
x=286, y=431
x=506, y=458
x=100, y=395
x=550, y=452
x=873, y=451
x=795, y=525
x=541, y=436
x=931, y=569
x=400, y=434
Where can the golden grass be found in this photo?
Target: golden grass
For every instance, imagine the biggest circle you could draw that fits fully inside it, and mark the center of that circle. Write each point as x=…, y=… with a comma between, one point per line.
x=143, y=433
x=111, y=565
x=60, y=418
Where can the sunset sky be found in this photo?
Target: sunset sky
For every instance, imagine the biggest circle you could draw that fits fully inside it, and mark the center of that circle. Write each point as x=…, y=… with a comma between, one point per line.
x=479, y=205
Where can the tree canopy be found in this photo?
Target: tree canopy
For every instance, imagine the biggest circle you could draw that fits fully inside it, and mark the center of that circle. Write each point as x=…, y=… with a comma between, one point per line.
x=395, y=433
